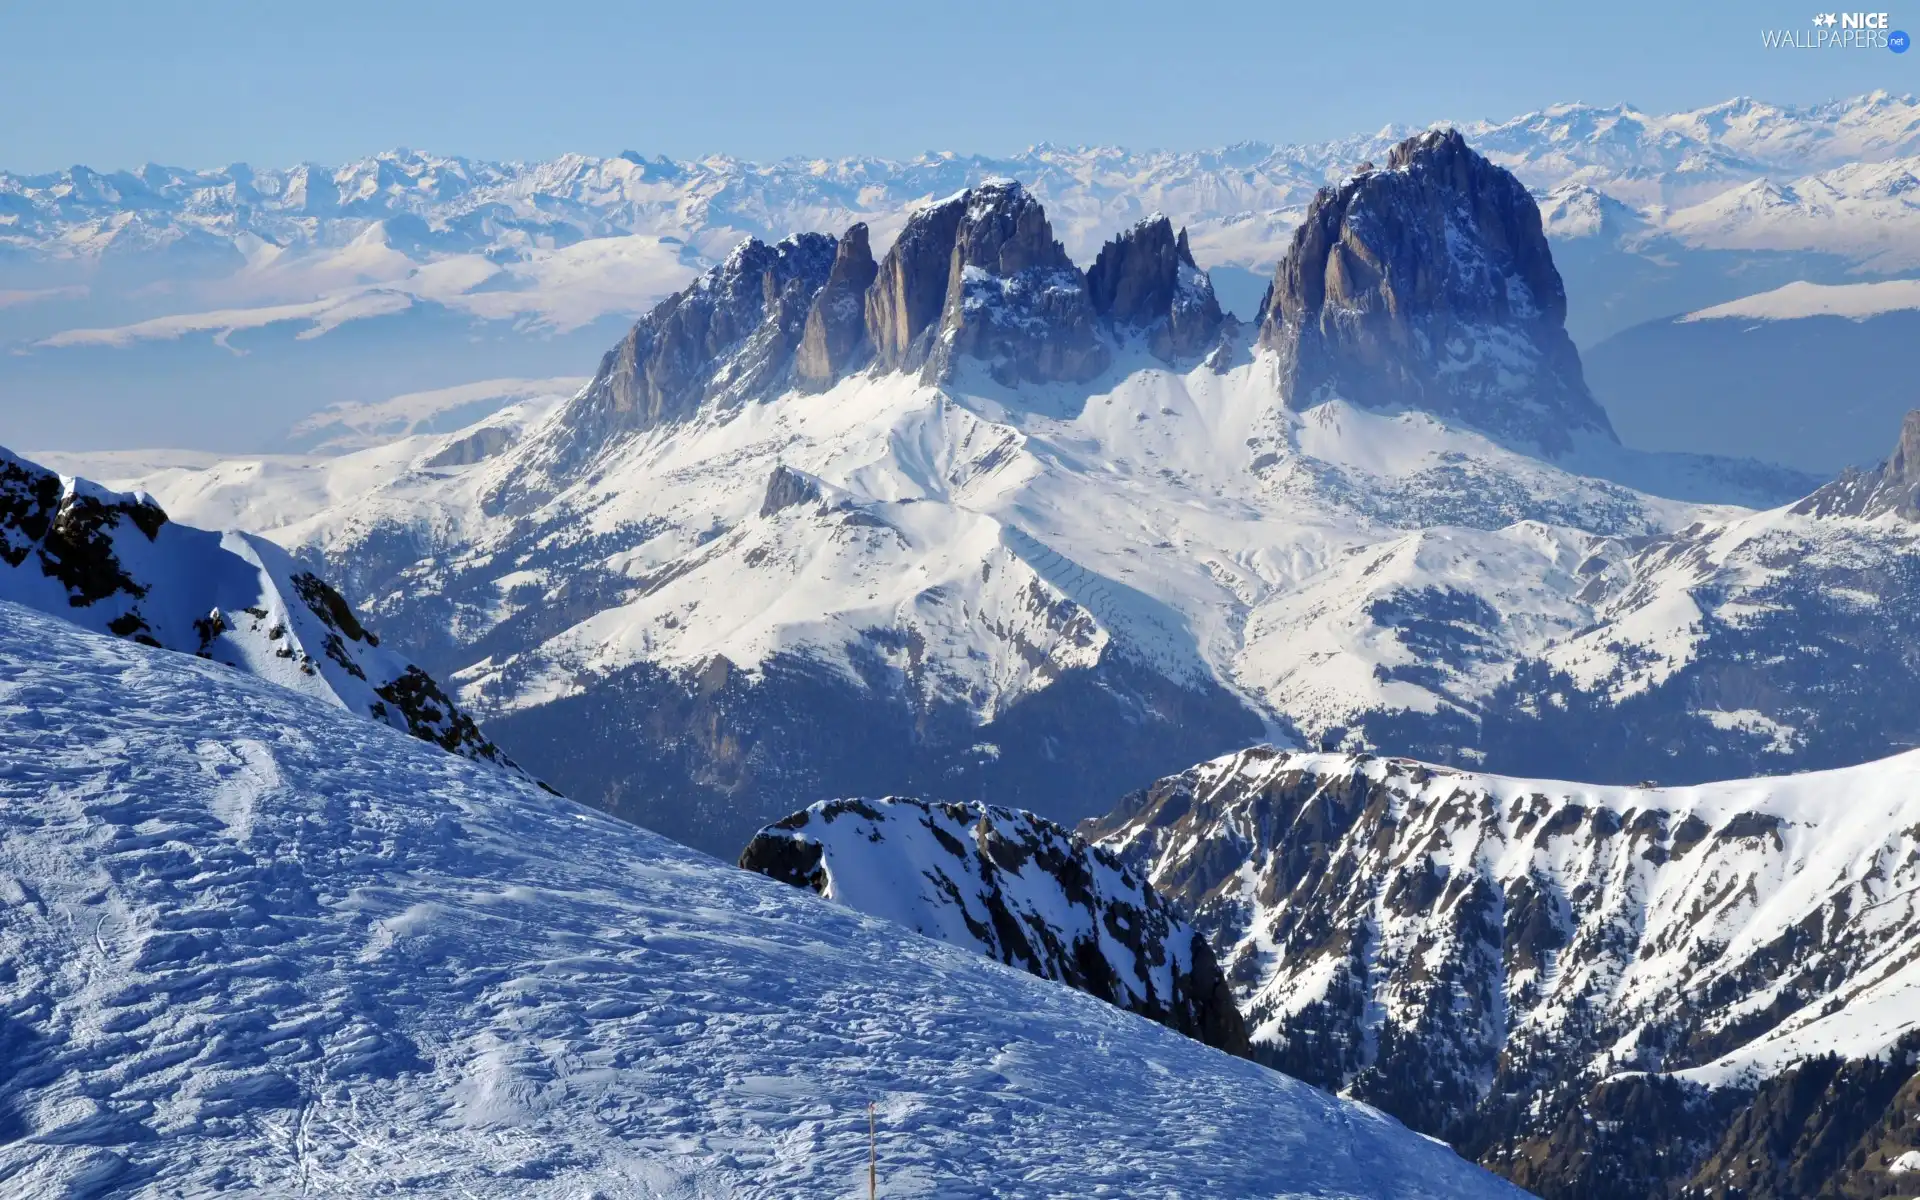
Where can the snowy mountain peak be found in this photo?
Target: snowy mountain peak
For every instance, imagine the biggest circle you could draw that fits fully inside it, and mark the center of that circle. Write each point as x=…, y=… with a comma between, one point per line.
x=726, y=338
x=1145, y=280
x=1430, y=286
x=1015, y=887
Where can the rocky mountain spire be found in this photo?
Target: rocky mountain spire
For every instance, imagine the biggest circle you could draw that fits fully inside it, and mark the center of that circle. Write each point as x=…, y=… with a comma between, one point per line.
x=910, y=290
x=1893, y=486
x=727, y=337
x=1145, y=280
x=980, y=276
x=1430, y=285
x=1015, y=301
x=835, y=337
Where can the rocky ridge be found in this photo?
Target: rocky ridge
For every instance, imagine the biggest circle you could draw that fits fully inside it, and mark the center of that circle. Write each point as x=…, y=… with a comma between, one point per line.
x=113, y=563
x=1499, y=962
x=1015, y=887
x=1429, y=285
x=1146, y=281
x=728, y=338
x=977, y=277
x=1892, y=487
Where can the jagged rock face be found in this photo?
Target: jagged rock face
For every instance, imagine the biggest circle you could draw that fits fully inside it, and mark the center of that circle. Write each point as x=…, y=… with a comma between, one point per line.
x=1479, y=955
x=727, y=338
x=113, y=563
x=835, y=338
x=1015, y=301
x=976, y=276
x=909, y=290
x=1888, y=488
x=980, y=276
x=1015, y=887
x=70, y=532
x=787, y=487
x=1146, y=281
x=1429, y=285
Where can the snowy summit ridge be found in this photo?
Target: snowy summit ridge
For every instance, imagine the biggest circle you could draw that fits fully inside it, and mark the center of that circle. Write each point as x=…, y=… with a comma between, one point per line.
x=1496, y=959
x=1015, y=887
x=113, y=563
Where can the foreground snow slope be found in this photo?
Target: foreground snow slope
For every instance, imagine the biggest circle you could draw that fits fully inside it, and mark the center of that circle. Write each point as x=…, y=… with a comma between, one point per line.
x=255, y=944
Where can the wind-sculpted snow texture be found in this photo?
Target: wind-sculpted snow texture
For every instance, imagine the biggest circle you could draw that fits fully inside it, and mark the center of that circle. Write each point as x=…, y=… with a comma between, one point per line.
x=1491, y=959
x=256, y=946
x=1015, y=887
x=114, y=563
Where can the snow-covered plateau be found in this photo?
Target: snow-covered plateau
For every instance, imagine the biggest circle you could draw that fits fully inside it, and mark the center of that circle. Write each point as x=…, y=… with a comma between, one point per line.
x=255, y=944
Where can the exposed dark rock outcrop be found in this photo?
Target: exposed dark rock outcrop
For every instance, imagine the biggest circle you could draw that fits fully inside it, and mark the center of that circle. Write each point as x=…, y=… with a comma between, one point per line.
x=72, y=534
x=980, y=276
x=1015, y=887
x=909, y=291
x=835, y=338
x=1145, y=281
x=976, y=276
x=787, y=487
x=1429, y=285
x=112, y=562
x=1830, y=1127
x=1015, y=301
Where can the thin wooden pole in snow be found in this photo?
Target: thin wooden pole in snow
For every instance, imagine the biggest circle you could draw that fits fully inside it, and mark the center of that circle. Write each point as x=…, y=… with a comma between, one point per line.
x=873, y=1157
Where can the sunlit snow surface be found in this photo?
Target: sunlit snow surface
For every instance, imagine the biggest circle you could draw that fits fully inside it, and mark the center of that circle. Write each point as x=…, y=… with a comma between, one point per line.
x=251, y=943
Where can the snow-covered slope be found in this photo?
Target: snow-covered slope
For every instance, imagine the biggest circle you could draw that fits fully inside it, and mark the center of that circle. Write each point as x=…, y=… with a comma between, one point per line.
x=1479, y=953
x=113, y=563
x=1015, y=887
x=256, y=946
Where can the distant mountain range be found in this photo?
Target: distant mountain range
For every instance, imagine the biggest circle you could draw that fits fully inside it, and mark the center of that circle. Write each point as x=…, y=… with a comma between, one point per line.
x=215, y=308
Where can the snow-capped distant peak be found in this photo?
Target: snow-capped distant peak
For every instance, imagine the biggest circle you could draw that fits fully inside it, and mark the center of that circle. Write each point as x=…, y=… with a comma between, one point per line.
x=1794, y=301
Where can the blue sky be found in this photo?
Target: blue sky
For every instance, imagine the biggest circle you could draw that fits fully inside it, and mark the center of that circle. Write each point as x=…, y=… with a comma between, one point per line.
x=111, y=83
